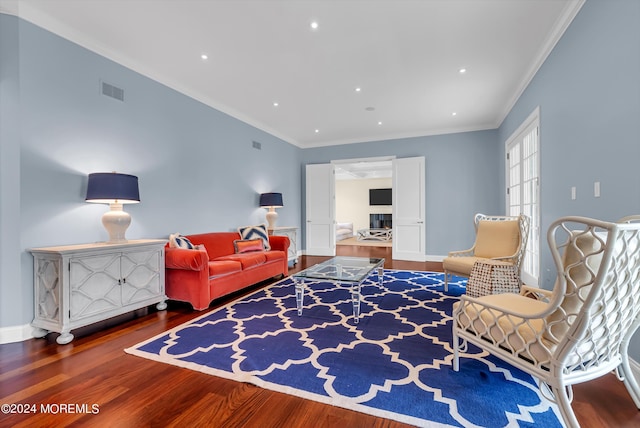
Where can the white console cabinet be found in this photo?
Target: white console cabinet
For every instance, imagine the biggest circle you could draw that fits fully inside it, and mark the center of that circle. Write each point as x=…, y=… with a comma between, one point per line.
x=78, y=285
x=292, y=233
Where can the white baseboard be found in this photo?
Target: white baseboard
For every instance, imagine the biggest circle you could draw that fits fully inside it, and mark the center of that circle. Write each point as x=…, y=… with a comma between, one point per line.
x=432, y=258
x=16, y=333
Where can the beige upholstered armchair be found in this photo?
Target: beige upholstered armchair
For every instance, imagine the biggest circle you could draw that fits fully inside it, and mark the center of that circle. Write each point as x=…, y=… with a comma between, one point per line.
x=497, y=238
x=578, y=331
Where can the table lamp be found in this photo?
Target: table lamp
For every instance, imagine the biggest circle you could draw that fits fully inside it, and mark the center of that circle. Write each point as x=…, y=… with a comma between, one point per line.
x=114, y=189
x=272, y=201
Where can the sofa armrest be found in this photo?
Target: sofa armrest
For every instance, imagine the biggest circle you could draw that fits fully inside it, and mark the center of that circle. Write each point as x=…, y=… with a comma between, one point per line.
x=279, y=243
x=179, y=258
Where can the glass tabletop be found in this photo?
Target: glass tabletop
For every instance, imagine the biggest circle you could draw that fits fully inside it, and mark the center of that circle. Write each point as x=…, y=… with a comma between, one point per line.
x=345, y=269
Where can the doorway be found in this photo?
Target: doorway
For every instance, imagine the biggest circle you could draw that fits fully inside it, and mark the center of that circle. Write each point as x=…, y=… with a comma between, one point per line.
x=408, y=208
x=363, y=195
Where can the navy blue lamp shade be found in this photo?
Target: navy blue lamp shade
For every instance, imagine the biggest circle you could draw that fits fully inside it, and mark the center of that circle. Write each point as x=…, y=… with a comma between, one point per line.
x=271, y=200
x=114, y=189
x=111, y=187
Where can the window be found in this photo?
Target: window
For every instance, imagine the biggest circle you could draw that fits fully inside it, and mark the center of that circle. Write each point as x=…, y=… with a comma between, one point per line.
x=523, y=182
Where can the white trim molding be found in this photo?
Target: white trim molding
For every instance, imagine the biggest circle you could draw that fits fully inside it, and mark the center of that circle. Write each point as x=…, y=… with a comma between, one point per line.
x=18, y=333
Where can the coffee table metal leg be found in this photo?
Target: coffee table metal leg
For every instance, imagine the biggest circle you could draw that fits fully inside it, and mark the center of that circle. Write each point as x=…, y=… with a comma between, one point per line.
x=299, y=284
x=380, y=275
x=355, y=298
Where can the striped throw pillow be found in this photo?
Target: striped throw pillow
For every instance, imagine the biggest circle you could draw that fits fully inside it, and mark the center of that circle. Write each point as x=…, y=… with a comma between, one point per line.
x=256, y=232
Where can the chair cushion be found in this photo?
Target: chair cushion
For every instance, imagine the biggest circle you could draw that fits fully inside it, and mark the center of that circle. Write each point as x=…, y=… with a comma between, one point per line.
x=497, y=238
x=459, y=265
x=578, y=276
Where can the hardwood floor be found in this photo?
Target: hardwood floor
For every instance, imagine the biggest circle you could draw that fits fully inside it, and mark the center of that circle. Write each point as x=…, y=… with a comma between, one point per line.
x=134, y=392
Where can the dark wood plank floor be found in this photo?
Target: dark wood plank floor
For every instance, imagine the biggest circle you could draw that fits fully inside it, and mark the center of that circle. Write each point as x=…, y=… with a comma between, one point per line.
x=134, y=392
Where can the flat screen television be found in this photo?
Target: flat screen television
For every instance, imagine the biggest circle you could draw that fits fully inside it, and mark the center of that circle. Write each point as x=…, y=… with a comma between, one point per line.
x=380, y=197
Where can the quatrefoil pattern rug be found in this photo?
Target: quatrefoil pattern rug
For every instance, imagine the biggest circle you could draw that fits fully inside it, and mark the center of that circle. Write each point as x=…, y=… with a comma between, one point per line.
x=395, y=363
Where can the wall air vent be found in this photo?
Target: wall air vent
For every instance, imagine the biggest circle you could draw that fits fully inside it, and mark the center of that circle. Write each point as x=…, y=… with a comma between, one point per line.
x=112, y=91
x=257, y=145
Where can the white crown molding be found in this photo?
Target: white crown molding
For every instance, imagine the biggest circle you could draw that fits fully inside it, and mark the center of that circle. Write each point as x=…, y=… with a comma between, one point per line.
x=398, y=136
x=561, y=25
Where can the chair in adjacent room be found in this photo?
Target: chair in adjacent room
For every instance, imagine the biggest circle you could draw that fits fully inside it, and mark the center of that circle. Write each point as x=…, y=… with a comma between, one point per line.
x=498, y=238
x=576, y=332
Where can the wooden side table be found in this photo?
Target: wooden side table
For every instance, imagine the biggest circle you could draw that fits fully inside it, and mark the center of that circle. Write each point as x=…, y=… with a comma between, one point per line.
x=492, y=277
x=290, y=232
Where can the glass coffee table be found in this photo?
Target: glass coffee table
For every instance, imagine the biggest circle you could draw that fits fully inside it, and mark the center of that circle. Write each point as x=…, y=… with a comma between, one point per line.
x=346, y=270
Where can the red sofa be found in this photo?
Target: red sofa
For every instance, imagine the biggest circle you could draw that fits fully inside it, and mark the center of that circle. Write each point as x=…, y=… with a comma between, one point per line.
x=200, y=276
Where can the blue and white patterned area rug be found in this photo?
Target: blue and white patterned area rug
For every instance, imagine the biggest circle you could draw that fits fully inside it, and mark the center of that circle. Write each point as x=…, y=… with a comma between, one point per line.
x=396, y=363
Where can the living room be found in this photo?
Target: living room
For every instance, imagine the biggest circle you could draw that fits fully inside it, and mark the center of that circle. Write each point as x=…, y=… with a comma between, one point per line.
x=200, y=170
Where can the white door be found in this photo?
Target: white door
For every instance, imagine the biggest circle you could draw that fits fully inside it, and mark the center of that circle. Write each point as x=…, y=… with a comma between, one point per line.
x=523, y=189
x=320, y=206
x=408, y=209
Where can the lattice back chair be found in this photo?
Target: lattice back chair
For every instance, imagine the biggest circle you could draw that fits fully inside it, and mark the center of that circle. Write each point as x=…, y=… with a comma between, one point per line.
x=578, y=331
x=502, y=238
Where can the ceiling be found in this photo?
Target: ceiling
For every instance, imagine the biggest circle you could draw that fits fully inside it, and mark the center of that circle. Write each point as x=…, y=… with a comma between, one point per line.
x=371, y=70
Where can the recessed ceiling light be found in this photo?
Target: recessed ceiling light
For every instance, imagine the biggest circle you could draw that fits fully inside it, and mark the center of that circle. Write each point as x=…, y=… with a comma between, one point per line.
x=454, y=114
x=462, y=70
x=317, y=130
x=276, y=104
x=358, y=89
x=314, y=25
x=204, y=56
x=379, y=123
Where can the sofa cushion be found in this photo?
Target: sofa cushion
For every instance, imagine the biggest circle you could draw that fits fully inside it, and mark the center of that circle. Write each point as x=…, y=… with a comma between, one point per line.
x=247, y=260
x=255, y=232
x=178, y=241
x=223, y=267
x=248, y=245
x=345, y=226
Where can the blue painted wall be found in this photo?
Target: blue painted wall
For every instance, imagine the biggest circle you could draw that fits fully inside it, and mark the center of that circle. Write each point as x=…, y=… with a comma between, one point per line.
x=588, y=91
x=462, y=177
x=11, y=296
x=197, y=168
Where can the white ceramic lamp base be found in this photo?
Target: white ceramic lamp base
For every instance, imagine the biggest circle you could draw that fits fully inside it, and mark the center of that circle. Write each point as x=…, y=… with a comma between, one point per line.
x=116, y=222
x=272, y=218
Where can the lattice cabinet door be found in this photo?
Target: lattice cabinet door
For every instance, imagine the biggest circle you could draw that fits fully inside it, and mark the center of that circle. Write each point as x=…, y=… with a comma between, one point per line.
x=94, y=283
x=140, y=273
x=78, y=285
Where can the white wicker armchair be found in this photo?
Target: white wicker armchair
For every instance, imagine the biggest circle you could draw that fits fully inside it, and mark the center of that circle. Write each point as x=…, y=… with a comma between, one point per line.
x=501, y=238
x=581, y=329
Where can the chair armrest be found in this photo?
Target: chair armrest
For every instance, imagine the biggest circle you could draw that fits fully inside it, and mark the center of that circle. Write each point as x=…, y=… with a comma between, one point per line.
x=279, y=242
x=536, y=293
x=180, y=258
